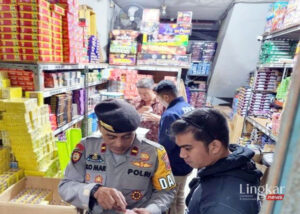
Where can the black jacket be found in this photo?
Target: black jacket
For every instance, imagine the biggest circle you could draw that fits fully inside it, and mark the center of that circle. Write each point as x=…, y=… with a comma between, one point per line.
x=222, y=187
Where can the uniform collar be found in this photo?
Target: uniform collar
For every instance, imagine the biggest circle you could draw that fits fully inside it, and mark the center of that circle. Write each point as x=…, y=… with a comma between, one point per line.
x=175, y=101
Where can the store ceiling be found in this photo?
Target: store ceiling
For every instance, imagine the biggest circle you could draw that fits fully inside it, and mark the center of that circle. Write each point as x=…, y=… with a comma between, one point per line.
x=202, y=9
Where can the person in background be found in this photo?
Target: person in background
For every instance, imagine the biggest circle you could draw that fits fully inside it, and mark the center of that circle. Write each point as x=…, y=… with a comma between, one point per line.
x=225, y=171
x=149, y=107
x=176, y=106
x=118, y=172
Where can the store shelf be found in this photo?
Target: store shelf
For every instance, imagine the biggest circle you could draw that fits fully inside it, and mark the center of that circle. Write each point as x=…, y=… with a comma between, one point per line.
x=65, y=127
x=50, y=66
x=265, y=91
x=197, y=90
x=292, y=32
x=54, y=91
x=276, y=65
x=197, y=75
x=260, y=124
x=97, y=66
x=148, y=68
x=97, y=83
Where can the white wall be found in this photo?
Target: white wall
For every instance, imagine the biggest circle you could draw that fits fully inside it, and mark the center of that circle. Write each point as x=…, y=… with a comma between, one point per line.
x=238, y=48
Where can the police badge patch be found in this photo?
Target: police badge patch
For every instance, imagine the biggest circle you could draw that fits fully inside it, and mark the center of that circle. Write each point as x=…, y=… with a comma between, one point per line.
x=76, y=155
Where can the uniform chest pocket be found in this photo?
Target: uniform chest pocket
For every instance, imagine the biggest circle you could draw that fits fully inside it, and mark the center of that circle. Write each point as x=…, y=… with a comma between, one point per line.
x=95, y=173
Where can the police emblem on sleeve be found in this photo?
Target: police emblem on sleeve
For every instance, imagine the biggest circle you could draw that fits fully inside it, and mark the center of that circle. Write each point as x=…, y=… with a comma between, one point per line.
x=76, y=155
x=136, y=195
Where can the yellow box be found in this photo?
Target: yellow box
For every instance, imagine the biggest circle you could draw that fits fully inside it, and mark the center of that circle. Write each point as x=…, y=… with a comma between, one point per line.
x=12, y=92
x=35, y=94
x=5, y=83
x=20, y=105
x=87, y=13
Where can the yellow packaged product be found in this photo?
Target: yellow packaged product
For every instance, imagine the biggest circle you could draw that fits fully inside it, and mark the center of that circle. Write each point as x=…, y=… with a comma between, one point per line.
x=20, y=105
x=5, y=83
x=35, y=94
x=12, y=92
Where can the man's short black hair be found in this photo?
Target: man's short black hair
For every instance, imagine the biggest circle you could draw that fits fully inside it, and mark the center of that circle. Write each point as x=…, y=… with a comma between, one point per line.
x=206, y=124
x=166, y=87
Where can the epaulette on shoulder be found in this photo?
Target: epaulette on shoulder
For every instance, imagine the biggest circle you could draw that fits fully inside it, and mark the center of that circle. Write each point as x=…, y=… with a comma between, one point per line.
x=152, y=143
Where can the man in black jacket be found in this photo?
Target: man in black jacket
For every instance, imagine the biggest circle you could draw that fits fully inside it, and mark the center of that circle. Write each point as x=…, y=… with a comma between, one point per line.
x=226, y=172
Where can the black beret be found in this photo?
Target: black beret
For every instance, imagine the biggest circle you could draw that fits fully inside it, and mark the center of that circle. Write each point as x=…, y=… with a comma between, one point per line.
x=165, y=85
x=117, y=115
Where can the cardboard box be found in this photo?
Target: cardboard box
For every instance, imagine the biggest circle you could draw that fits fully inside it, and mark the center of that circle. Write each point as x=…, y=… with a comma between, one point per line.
x=164, y=59
x=174, y=29
x=154, y=49
x=166, y=40
x=122, y=59
x=8, y=15
x=34, y=182
x=125, y=47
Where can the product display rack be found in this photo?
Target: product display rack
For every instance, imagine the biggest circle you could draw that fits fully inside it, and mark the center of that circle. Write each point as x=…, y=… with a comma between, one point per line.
x=172, y=69
x=290, y=33
x=75, y=120
x=39, y=68
x=261, y=126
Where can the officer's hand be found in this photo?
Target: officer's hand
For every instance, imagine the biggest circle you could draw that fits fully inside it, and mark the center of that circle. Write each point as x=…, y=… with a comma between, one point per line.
x=145, y=109
x=110, y=198
x=147, y=116
x=130, y=212
x=141, y=211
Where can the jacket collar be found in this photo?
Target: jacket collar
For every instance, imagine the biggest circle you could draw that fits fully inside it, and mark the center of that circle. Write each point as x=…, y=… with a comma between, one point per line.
x=175, y=101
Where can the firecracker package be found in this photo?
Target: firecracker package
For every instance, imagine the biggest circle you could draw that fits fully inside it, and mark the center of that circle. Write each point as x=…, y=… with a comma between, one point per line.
x=174, y=29
x=150, y=21
x=79, y=99
x=9, y=177
x=121, y=46
x=33, y=196
x=29, y=131
x=94, y=50
x=200, y=68
x=122, y=59
x=129, y=35
x=21, y=78
x=277, y=51
x=61, y=105
x=164, y=59
x=198, y=99
x=166, y=40
x=292, y=15
x=154, y=49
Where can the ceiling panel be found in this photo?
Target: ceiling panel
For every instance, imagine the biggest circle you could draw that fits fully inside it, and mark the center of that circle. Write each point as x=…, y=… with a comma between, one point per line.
x=202, y=9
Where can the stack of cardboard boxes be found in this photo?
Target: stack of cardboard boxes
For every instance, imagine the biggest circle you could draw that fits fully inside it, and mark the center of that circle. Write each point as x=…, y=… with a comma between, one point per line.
x=167, y=44
x=123, y=47
x=57, y=43
x=9, y=28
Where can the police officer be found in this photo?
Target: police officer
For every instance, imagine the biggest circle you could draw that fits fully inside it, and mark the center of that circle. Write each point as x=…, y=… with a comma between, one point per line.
x=118, y=172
